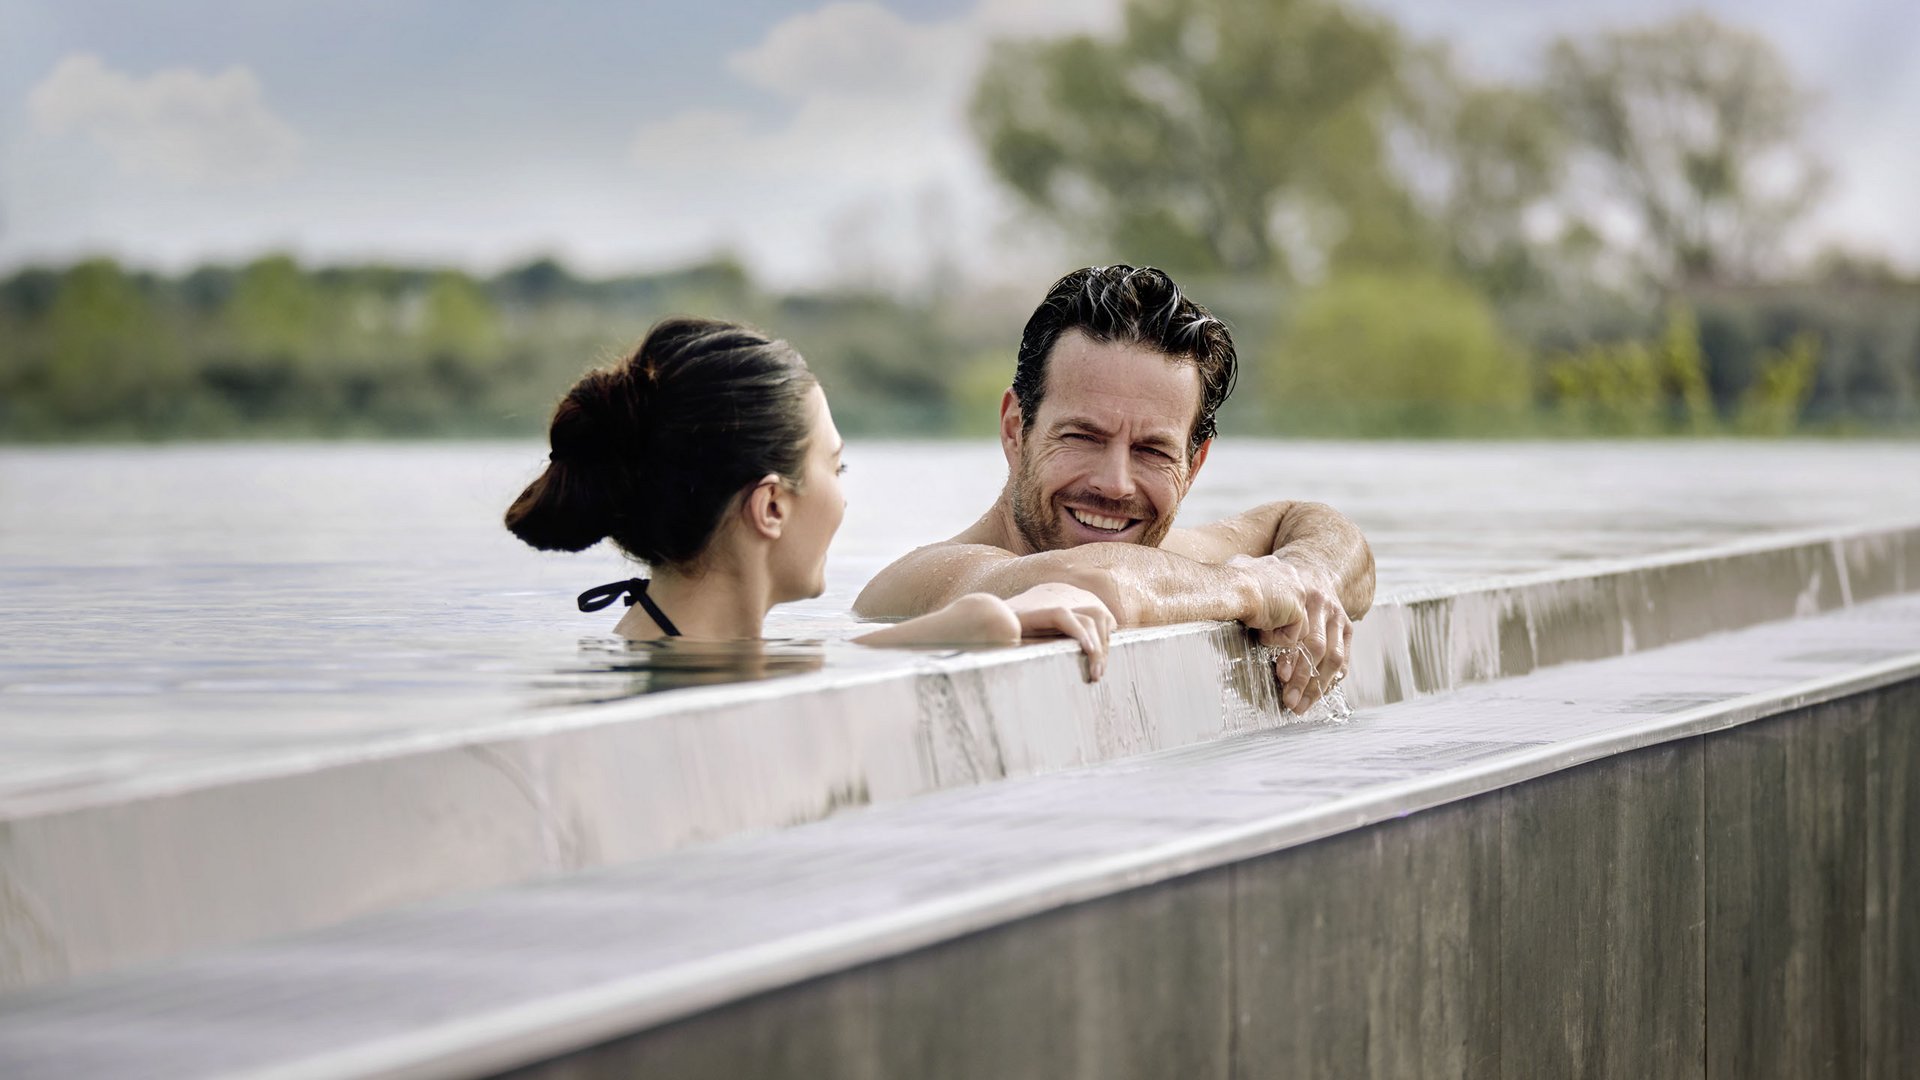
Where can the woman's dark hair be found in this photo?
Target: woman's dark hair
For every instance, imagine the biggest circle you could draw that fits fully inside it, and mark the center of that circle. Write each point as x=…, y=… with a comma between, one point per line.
x=1130, y=306
x=653, y=450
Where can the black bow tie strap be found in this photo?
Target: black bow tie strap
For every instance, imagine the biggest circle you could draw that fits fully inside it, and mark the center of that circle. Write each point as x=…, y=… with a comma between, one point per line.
x=633, y=589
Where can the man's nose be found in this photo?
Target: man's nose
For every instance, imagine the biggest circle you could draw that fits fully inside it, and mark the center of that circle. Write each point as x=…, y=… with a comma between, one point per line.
x=1113, y=477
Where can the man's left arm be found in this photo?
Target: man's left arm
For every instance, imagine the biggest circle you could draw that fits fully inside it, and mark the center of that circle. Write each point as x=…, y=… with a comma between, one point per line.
x=1335, y=566
x=1318, y=540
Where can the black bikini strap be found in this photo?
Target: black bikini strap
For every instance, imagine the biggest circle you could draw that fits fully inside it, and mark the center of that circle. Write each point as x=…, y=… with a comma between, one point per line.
x=633, y=589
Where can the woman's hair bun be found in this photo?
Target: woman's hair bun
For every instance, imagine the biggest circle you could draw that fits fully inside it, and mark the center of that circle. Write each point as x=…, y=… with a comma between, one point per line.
x=562, y=510
x=652, y=450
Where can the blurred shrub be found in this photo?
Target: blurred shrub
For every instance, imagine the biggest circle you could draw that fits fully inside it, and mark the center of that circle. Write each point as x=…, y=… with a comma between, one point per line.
x=1398, y=355
x=983, y=381
x=1772, y=403
x=1636, y=388
x=1633, y=387
x=1868, y=374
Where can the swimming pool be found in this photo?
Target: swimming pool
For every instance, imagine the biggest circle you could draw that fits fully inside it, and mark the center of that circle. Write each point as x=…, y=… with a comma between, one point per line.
x=248, y=689
x=254, y=593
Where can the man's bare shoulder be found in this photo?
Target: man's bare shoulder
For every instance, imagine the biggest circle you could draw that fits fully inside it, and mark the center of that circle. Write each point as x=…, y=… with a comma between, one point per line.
x=1249, y=533
x=927, y=577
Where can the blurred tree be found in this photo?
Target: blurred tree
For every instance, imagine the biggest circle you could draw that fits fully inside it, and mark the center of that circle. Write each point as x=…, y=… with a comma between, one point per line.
x=267, y=334
x=1480, y=158
x=459, y=319
x=1689, y=130
x=1396, y=354
x=1684, y=369
x=30, y=294
x=1636, y=388
x=1609, y=389
x=273, y=311
x=109, y=355
x=1211, y=135
x=542, y=281
x=1773, y=402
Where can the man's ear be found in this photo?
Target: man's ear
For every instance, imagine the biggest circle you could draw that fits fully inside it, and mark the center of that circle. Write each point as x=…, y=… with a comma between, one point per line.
x=1010, y=427
x=1199, y=459
x=766, y=507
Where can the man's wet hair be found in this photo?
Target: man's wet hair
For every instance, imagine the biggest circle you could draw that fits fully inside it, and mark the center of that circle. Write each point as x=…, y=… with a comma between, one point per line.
x=1128, y=305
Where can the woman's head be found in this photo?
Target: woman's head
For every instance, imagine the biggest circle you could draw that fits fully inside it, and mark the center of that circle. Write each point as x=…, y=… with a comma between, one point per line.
x=705, y=419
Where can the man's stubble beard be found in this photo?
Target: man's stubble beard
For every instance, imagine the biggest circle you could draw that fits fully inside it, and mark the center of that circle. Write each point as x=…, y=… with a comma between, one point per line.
x=1041, y=530
x=1040, y=527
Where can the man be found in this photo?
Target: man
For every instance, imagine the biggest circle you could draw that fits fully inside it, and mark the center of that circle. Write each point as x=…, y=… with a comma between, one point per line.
x=1108, y=421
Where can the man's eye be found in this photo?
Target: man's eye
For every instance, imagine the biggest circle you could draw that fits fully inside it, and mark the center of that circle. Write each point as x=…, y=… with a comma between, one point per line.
x=1078, y=436
x=1153, y=452
x=841, y=471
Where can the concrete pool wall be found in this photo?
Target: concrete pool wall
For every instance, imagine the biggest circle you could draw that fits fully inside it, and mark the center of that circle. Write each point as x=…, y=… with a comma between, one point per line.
x=240, y=847
x=1743, y=905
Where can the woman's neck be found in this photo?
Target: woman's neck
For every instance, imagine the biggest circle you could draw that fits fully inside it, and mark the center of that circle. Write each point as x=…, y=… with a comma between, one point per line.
x=721, y=604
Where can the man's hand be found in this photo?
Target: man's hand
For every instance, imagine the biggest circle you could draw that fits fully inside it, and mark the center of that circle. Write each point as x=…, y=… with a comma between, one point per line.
x=1302, y=619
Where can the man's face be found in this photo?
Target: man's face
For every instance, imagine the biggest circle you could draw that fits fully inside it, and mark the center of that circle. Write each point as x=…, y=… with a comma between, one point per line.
x=1106, y=458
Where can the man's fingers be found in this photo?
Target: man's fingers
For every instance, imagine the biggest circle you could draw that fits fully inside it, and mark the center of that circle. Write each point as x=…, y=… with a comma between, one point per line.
x=1295, y=667
x=1285, y=641
x=1301, y=689
x=1339, y=654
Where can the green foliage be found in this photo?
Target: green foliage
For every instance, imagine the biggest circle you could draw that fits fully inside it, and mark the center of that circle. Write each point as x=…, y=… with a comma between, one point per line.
x=1686, y=371
x=274, y=348
x=1489, y=154
x=106, y=351
x=1396, y=354
x=1693, y=127
x=274, y=311
x=983, y=381
x=1773, y=402
x=1184, y=142
x=1633, y=388
x=1611, y=389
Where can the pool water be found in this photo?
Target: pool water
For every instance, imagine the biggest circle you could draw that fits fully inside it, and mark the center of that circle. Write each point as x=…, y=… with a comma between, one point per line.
x=272, y=592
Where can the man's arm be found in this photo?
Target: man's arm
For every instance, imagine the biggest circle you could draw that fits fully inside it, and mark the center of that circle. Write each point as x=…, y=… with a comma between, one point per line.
x=1315, y=538
x=1334, y=568
x=1142, y=586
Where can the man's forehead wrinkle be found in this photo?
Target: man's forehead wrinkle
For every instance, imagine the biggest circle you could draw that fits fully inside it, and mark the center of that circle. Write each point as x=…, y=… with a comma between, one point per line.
x=1121, y=389
x=1137, y=428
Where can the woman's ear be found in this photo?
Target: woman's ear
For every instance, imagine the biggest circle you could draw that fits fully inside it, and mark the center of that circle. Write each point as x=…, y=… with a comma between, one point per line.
x=766, y=507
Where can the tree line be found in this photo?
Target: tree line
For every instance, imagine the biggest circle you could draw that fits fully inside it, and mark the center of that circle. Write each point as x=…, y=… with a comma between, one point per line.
x=98, y=350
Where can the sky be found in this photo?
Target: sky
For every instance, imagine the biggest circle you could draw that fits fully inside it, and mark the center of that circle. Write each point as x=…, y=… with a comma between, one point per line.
x=812, y=140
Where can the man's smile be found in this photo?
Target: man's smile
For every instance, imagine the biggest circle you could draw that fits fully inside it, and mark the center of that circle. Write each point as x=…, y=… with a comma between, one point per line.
x=1105, y=526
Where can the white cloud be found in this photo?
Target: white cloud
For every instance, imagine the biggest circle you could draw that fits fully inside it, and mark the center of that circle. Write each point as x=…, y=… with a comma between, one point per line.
x=177, y=124
x=870, y=159
x=858, y=49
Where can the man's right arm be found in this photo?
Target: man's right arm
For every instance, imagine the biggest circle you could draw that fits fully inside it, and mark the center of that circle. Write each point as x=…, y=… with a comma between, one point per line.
x=1142, y=586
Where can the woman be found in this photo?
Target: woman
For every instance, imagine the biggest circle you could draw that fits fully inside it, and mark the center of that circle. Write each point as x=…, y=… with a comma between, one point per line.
x=710, y=455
